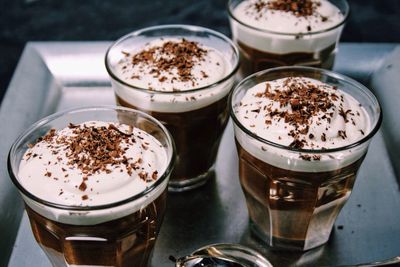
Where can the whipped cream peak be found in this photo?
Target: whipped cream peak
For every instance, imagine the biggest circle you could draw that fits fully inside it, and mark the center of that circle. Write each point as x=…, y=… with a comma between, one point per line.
x=289, y=16
x=92, y=163
x=172, y=75
x=172, y=65
x=297, y=7
x=303, y=113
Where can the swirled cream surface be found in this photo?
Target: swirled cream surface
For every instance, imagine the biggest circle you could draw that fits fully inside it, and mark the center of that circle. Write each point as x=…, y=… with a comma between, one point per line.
x=302, y=113
x=172, y=65
x=289, y=16
x=91, y=164
x=282, y=27
x=162, y=70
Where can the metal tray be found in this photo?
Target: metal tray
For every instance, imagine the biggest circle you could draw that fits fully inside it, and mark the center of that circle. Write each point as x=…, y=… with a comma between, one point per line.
x=55, y=76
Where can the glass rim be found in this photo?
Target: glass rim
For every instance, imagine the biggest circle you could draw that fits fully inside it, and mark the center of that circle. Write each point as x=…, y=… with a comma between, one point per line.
x=12, y=171
x=342, y=22
x=189, y=28
x=335, y=75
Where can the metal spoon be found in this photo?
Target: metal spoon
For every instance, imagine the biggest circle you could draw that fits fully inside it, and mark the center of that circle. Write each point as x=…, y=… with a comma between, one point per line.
x=235, y=255
x=224, y=255
x=395, y=260
x=199, y=261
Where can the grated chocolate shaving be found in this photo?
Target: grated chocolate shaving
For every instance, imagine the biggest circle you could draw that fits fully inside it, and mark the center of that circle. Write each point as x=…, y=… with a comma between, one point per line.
x=82, y=186
x=305, y=101
x=344, y=114
x=300, y=8
x=154, y=175
x=171, y=55
x=342, y=134
x=310, y=157
x=94, y=149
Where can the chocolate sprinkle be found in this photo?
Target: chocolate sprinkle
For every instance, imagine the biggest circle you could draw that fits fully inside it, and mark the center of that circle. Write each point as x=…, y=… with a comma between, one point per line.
x=310, y=157
x=82, y=186
x=323, y=137
x=342, y=134
x=344, y=114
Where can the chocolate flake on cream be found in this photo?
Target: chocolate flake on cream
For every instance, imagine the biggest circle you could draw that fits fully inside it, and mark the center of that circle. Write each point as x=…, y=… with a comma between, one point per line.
x=94, y=149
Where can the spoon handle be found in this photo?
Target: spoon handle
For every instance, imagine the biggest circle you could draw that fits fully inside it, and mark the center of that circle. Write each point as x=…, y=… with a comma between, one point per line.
x=394, y=260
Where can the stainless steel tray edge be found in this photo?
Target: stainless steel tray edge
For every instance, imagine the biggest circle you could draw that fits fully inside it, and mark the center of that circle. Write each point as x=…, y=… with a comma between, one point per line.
x=16, y=102
x=34, y=92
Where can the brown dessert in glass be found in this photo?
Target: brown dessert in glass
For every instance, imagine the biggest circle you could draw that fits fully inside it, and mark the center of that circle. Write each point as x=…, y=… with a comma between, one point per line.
x=94, y=186
x=301, y=135
x=181, y=75
x=274, y=33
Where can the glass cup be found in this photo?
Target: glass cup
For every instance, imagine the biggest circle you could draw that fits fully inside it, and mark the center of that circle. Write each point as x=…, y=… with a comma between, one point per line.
x=262, y=49
x=121, y=233
x=196, y=118
x=292, y=202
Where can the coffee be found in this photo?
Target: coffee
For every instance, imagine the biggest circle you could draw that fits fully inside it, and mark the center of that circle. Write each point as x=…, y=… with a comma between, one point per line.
x=300, y=142
x=278, y=33
x=182, y=77
x=95, y=191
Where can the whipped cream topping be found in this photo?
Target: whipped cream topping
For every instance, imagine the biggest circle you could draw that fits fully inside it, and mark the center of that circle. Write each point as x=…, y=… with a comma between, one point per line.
x=172, y=65
x=299, y=112
x=303, y=113
x=286, y=31
x=168, y=68
x=93, y=163
x=291, y=17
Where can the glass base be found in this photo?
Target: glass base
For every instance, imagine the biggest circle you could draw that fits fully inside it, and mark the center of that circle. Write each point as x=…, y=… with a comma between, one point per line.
x=190, y=183
x=277, y=243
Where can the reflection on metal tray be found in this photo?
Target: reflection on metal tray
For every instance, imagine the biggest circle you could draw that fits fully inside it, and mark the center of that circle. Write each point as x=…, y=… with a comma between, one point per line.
x=56, y=76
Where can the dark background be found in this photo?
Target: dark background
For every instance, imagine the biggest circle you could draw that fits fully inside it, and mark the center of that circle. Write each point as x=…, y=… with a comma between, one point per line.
x=91, y=20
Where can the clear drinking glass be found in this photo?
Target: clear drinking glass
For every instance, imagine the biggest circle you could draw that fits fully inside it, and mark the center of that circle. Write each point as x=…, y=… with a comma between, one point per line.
x=196, y=118
x=262, y=49
x=121, y=233
x=292, y=202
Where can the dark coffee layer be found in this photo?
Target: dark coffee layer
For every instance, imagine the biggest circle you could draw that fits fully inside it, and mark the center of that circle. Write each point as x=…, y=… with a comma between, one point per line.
x=124, y=242
x=197, y=134
x=293, y=204
x=253, y=60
